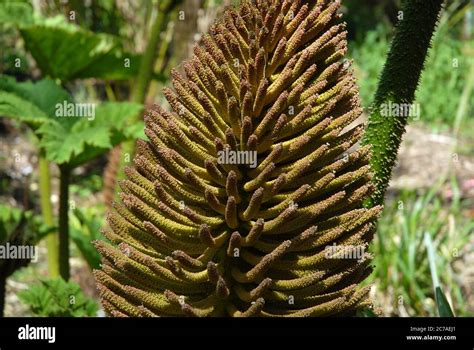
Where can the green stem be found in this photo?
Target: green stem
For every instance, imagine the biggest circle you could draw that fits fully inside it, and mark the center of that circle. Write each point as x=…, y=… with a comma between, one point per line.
x=147, y=63
x=48, y=218
x=161, y=60
x=463, y=107
x=398, y=84
x=145, y=73
x=65, y=173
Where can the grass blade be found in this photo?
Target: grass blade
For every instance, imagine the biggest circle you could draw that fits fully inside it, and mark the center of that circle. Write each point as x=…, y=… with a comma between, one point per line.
x=444, y=308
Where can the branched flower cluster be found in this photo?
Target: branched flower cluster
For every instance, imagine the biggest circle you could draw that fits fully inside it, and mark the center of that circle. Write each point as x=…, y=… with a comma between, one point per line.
x=198, y=236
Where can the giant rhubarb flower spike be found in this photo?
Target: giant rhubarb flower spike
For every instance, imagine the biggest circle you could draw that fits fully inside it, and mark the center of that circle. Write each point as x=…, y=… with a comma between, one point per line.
x=247, y=198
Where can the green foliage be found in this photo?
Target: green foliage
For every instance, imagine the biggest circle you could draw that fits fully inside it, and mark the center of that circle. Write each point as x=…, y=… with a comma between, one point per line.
x=369, y=55
x=87, y=186
x=58, y=298
x=16, y=13
x=440, y=76
x=80, y=141
x=367, y=312
x=69, y=52
x=66, y=51
x=64, y=138
x=30, y=102
x=17, y=227
x=85, y=228
x=10, y=218
x=70, y=140
x=363, y=16
x=402, y=271
x=443, y=75
x=16, y=223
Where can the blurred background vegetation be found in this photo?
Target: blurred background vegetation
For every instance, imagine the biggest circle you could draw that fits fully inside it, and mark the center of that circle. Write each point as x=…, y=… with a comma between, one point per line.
x=61, y=176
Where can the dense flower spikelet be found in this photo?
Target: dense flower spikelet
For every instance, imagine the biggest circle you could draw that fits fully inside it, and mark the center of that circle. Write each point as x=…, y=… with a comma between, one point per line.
x=198, y=235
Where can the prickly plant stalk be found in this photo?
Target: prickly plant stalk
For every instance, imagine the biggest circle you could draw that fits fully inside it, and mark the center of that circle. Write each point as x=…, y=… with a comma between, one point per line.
x=201, y=231
x=398, y=84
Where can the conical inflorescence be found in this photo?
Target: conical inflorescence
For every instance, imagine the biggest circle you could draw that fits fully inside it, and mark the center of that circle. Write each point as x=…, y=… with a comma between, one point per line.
x=247, y=198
